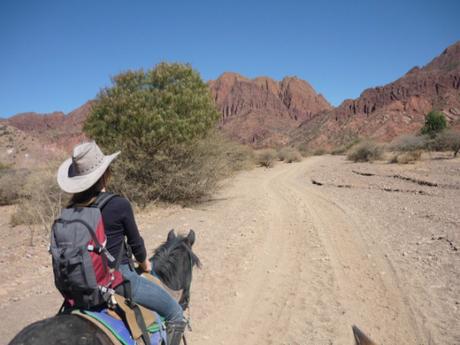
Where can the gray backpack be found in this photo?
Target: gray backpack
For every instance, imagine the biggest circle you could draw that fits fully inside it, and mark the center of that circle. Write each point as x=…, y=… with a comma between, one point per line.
x=80, y=259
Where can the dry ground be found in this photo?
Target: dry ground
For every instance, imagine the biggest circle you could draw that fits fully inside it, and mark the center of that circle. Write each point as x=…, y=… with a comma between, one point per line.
x=287, y=261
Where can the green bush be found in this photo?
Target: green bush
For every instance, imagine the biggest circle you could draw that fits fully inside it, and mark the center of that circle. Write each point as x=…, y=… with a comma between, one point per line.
x=266, y=157
x=186, y=173
x=161, y=120
x=289, y=155
x=366, y=151
x=435, y=122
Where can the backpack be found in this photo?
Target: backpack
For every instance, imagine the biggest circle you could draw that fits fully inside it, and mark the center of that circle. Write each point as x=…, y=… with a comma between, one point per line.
x=80, y=259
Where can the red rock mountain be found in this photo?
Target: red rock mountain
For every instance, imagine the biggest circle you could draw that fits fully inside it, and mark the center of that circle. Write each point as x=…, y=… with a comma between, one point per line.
x=55, y=128
x=261, y=111
x=264, y=112
x=394, y=109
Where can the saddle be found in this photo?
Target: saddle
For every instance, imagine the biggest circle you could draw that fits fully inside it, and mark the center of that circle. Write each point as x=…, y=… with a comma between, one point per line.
x=121, y=324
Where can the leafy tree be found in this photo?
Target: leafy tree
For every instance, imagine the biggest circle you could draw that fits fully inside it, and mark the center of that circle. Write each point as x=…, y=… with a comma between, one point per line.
x=156, y=118
x=435, y=122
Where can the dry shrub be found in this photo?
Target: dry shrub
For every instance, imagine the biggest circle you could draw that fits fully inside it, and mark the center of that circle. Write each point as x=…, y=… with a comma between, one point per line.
x=407, y=157
x=304, y=151
x=4, y=167
x=447, y=141
x=319, y=152
x=40, y=202
x=238, y=156
x=289, y=155
x=11, y=185
x=408, y=143
x=343, y=149
x=366, y=151
x=181, y=173
x=266, y=157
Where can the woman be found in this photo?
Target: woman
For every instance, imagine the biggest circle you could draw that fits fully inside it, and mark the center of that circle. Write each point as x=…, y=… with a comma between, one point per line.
x=85, y=175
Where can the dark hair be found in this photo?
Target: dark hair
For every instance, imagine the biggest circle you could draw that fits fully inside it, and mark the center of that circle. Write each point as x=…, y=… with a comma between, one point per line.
x=86, y=196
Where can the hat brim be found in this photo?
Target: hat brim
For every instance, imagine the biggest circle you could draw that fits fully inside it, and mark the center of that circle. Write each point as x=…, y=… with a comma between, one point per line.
x=81, y=183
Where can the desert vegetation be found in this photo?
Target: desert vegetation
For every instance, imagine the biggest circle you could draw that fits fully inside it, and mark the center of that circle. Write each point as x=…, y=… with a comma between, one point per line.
x=11, y=184
x=366, y=151
x=447, y=140
x=36, y=196
x=410, y=147
x=163, y=121
x=266, y=157
x=433, y=136
x=40, y=202
x=289, y=155
x=435, y=122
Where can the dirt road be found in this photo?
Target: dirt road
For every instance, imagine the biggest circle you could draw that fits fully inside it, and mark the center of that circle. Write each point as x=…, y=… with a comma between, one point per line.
x=296, y=268
x=290, y=262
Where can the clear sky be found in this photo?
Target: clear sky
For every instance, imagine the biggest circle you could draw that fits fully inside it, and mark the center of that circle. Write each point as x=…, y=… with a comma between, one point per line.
x=55, y=55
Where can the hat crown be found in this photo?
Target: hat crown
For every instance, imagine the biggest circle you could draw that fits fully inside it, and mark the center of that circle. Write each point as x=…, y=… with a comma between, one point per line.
x=86, y=158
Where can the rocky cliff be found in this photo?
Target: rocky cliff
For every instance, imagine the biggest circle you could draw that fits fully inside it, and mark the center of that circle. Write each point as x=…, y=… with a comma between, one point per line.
x=55, y=128
x=262, y=111
x=391, y=110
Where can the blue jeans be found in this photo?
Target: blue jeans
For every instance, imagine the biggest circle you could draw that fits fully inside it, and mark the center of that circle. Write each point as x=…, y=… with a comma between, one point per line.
x=151, y=296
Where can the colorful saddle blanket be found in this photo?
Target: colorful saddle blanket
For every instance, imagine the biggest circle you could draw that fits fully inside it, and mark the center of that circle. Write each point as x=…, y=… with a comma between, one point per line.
x=119, y=330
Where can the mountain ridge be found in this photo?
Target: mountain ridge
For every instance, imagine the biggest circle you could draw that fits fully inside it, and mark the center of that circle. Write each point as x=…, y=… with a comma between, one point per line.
x=265, y=112
x=261, y=111
x=387, y=111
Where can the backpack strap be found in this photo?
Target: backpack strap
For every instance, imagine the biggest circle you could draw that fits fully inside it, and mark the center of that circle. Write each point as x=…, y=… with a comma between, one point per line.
x=98, y=248
x=102, y=199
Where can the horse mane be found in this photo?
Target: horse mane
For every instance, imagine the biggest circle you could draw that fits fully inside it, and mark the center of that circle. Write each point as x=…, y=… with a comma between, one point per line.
x=173, y=261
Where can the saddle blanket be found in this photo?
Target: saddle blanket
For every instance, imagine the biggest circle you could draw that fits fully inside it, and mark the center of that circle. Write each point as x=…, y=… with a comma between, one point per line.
x=120, y=331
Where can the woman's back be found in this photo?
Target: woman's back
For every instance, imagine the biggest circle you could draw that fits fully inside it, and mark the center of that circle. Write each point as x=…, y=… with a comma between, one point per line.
x=119, y=222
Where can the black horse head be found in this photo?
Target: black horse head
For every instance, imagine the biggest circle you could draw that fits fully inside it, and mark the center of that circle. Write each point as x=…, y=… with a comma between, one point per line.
x=173, y=262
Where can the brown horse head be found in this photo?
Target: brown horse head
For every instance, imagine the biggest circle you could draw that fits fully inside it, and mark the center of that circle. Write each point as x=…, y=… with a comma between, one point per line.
x=361, y=338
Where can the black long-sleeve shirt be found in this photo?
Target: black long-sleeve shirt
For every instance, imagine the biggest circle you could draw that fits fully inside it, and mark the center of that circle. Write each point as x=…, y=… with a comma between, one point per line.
x=119, y=222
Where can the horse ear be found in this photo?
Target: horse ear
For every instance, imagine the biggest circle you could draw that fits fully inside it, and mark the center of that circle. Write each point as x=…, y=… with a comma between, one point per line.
x=171, y=235
x=361, y=338
x=191, y=237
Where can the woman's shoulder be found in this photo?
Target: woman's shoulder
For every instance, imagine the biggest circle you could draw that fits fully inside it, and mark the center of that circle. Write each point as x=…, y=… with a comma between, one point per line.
x=118, y=202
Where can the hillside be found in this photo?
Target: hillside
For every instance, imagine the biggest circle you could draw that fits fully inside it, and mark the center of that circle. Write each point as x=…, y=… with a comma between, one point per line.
x=24, y=150
x=55, y=128
x=391, y=110
x=262, y=111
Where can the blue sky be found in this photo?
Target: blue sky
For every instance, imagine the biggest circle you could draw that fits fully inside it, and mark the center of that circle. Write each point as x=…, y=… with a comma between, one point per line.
x=55, y=55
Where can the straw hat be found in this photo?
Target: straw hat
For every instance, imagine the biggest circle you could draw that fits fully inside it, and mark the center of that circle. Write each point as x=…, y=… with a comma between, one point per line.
x=84, y=168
